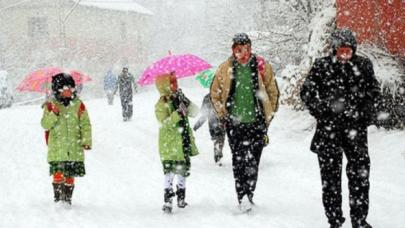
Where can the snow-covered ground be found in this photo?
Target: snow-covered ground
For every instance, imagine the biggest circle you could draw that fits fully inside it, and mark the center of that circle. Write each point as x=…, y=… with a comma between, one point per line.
x=123, y=185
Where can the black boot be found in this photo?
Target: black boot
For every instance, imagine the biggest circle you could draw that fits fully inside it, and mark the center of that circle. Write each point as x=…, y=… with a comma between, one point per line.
x=168, y=195
x=67, y=193
x=362, y=224
x=57, y=191
x=181, y=196
x=339, y=223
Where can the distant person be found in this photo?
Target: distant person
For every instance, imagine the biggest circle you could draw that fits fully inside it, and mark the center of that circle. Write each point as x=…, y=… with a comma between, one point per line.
x=110, y=86
x=176, y=140
x=216, y=128
x=68, y=133
x=341, y=92
x=126, y=86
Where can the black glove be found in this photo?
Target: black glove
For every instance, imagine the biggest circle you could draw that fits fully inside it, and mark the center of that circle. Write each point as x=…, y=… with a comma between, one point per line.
x=182, y=109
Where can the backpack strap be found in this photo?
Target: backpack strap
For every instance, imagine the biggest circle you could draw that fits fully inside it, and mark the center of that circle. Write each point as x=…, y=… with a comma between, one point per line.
x=82, y=108
x=261, y=65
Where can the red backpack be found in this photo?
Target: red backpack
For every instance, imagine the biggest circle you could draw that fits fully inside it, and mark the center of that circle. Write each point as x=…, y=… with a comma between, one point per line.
x=82, y=108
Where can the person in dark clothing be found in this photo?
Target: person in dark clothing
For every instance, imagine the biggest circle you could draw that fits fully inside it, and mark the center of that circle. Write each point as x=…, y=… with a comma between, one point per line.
x=342, y=93
x=126, y=86
x=216, y=128
x=244, y=95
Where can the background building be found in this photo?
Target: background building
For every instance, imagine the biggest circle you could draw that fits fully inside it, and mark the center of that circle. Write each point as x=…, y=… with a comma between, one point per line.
x=89, y=36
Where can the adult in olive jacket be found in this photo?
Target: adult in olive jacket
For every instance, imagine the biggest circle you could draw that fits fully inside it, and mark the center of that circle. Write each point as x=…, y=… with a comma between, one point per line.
x=244, y=94
x=341, y=92
x=68, y=132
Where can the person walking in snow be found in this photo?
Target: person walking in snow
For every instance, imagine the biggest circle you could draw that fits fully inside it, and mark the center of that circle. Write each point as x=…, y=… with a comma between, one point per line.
x=68, y=132
x=110, y=86
x=341, y=92
x=176, y=140
x=216, y=128
x=244, y=95
x=126, y=86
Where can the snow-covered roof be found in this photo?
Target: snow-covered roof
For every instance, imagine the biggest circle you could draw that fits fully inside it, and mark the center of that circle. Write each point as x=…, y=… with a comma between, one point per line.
x=121, y=5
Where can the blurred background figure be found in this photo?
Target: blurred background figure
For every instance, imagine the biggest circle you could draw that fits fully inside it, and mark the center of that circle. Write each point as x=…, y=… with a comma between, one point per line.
x=126, y=86
x=110, y=86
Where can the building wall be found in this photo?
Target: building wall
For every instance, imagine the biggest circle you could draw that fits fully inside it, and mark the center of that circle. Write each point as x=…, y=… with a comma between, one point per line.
x=95, y=40
x=381, y=22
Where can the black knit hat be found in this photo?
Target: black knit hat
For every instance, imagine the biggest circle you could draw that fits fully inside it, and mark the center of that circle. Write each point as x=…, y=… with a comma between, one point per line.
x=61, y=80
x=241, y=39
x=343, y=37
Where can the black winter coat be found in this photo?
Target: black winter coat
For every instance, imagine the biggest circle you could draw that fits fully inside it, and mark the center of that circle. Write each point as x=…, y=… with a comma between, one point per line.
x=341, y=96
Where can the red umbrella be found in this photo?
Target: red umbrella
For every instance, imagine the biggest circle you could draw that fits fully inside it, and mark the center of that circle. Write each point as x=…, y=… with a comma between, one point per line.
x=41, y=80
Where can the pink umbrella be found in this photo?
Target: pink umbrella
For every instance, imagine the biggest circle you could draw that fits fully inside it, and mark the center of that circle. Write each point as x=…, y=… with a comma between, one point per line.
x=181, y=65
x=41, y=80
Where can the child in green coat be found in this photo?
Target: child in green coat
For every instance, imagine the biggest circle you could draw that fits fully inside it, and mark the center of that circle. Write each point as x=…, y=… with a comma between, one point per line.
x=176, y=141
x=68, y=133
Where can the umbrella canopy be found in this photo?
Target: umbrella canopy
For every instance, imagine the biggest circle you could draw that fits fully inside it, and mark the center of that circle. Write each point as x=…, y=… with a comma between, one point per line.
x=41, y=80
x=205, y=78
x=181, y=65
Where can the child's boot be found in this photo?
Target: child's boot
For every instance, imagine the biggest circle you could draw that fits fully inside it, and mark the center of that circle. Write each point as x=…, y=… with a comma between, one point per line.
x=57, y=191
x=168, y=195
x=68, y=192
x=181, y=197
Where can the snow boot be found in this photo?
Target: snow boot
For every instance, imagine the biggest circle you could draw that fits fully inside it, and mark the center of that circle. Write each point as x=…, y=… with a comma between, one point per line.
x=339, y=223
x=168, y=195
x=57, y=191
x=67, y=193
x=217, y=160
x=244, y=205
x=362, y=224
x=181, y=197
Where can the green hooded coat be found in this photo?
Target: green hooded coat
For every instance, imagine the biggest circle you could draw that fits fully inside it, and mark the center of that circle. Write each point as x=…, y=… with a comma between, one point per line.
x=170, y=138
x=69, y=131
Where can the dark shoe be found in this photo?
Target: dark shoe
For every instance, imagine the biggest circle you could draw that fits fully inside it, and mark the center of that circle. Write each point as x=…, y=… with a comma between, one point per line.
x=57, y=191
x=181, y=196
x=339, y=223
x=362, y=225
x=68, y=193
x=168, y=195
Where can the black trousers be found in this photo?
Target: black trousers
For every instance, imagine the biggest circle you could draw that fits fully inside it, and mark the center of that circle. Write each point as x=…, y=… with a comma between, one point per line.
x=352, y=143
x=246, y=143
x=127, y=108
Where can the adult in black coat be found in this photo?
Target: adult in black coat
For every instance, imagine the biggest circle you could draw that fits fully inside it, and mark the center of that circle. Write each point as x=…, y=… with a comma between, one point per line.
x=341, y=92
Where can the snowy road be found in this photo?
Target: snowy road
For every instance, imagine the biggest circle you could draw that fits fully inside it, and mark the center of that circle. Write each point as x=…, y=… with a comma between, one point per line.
x=123, y=185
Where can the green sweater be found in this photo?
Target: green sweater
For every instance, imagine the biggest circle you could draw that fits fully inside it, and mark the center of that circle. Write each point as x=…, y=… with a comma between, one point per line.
x=244, y=105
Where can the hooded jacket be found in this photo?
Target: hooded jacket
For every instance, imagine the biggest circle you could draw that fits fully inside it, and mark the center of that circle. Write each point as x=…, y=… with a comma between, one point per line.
x=68, y=131
x=340, y=95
